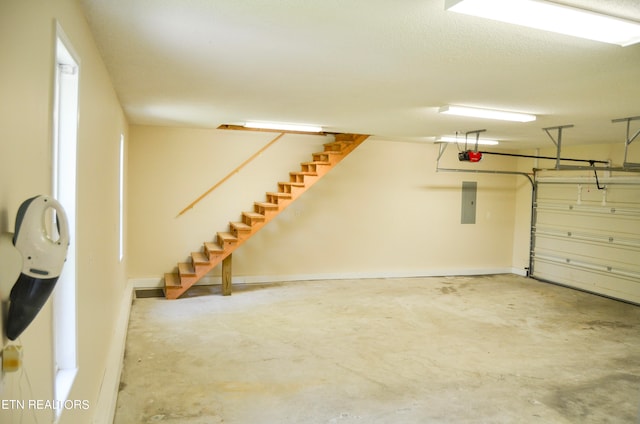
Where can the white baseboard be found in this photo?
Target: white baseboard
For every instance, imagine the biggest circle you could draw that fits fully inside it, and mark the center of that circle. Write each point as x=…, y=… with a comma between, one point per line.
x=155, y=282
x=520, y=271
x=108, y=396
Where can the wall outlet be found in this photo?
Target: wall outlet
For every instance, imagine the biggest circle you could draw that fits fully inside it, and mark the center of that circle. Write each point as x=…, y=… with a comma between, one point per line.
x=11, y=358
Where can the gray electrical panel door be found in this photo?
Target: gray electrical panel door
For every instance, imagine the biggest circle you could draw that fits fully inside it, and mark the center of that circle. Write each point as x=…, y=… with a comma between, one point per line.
x=588, y=238
x=469, y=190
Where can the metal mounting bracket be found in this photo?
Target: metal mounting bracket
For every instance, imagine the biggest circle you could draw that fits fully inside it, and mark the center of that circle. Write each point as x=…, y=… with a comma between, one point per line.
x=477, y=133
x=557, y=141
x=443, y=146
x=628, y=140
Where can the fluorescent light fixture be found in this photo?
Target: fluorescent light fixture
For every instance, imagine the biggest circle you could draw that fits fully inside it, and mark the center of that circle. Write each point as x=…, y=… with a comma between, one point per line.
x=283, y=127
x=487, y=113
x=470, y=140
x=552, y=17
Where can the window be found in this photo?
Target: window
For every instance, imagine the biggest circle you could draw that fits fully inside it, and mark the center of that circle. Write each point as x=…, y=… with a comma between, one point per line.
x=64, y=140
x=121, y=202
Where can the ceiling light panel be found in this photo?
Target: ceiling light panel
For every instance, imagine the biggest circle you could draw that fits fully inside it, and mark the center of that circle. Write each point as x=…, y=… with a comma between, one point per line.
x=469, y=140
x=487, y=113
x=552, y=17
x=283, y=127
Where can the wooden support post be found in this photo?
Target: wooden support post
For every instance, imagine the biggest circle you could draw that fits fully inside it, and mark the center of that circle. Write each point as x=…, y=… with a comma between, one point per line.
x=226, y=276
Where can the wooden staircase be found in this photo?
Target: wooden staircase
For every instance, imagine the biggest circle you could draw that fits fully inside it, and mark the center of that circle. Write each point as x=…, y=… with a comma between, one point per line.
x=228, y=241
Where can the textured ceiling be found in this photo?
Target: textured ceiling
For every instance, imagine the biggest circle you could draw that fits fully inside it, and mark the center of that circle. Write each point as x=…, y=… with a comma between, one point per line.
x=371, y=66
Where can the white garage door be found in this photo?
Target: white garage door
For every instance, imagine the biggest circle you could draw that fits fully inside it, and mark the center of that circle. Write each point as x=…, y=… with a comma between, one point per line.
x=587, y=238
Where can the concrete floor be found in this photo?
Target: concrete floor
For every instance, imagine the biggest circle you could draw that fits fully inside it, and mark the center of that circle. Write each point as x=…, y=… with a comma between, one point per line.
x=491, y=349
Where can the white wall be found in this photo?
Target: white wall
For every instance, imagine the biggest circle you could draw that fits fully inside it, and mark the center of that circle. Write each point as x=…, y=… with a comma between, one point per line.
x=27, y=40
x=383, y=211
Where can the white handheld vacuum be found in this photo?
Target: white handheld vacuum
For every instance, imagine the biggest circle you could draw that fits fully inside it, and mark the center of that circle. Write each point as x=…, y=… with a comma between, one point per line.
x=43, y=257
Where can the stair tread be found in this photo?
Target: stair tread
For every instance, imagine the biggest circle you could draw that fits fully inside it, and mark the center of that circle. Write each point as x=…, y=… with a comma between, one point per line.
x=303, y=173
x=328, y=152
x=226, y=236
x=267, y=205
x=278, y=194
x=241, y=226
x=290, y=183
x=172, y=280
x=199, y=258
x=186, y=269
x=345, y=137
x=213, y=247
x=338, y=144
x=254, y=215
x=316, y=162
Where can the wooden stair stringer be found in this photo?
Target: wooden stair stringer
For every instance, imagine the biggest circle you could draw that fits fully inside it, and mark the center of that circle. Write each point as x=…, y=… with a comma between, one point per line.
x=213, y=253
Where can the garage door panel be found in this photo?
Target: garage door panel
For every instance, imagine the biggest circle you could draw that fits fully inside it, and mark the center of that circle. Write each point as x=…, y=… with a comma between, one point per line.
x=557, y=192
x=611, y=255
x=619, y=287
x=625, y=196
x=604, y=236
x=591, y=217
x=588, y=238
x=621, y=193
